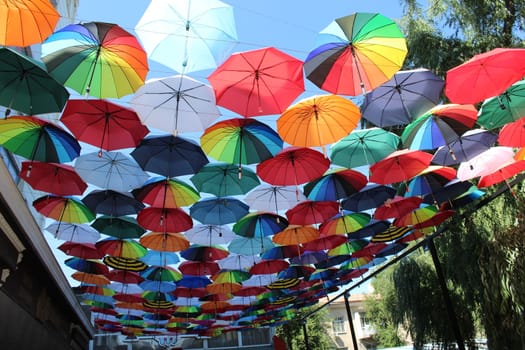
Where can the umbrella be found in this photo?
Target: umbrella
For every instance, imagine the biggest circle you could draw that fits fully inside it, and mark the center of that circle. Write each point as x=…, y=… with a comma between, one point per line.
x=54, y=178
x=273, y=198
x=71, y=232
x=485, y=75
x=344, y=223
x=90, y=278
x=209, y=234
x=429, y=180
x=26, y=86
x=124, y=248
x=312, y=212
x=126, y=264
x=258, y=82
x=250, y=245
x=241, y=141
x=28, y=22
x=363, y=147
x=95, y=58
x=283, y=252
x=164, y=219
x=335, y=185
x=266, y=267
x=113, y=203
x=218, y=210
x=309, y=257
x=236, y=276
x=259, y=224
x=502, y=173
x=513, y=134
x=110, y=170
x=448, y=192
x=399, y=166
x=396, y=207
x=296, y=234
x=204, y=253
x=169, y=155
x=175, y=104
x=37, y=139
x=238, y=262
x=67, y=209
x=439, y=126
x=485, y=162
x=118, y=226
x=293, y=166
x=166, y=193
x=186, y=35
x=324, y=243
x=165, y=241
x=198, y=268
x=103, y=124
x=507, y=107
x=369, y=197
x=81, y=250
x=391, y=234
x=356, y=53
x=193, y=281
x=349, y=247
x=160, y=273
x=468, y=145
x=407, y=95
x=225, y=179
x=160, y=258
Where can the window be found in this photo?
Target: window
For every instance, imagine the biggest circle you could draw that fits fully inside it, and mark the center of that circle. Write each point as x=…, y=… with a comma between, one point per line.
x=338, y=324
x=255, y=336
x=365, y=322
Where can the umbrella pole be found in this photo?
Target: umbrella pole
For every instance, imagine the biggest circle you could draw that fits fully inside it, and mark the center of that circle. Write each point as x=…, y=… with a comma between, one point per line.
x=305, y=335
x=349, y=315
x=92, y=71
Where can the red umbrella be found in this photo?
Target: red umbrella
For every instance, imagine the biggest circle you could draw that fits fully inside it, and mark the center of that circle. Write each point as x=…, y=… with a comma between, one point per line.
x=54, y=178
x=293, y=166
x=124, y=276
x=312, y=212
x=198, y=268
x=164, y=219
x=485, y=75
x=502, y=173
x=258, y=82
x=81, y=250
x=399, y=166
x=513, y=134
x=267, y=267
x=436, y=219
x=325, y=243
x=397, y=207
x=103, y=124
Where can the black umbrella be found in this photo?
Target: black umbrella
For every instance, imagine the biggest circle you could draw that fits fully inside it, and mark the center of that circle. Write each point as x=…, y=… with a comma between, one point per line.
x=113, y=203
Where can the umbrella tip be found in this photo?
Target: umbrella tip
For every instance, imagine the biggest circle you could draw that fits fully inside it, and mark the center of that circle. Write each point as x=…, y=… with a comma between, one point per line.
x=7, y=112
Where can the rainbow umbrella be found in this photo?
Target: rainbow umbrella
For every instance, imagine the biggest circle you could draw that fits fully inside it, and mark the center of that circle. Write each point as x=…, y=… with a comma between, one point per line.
x=166, y=193
x=259, y=224
x=125, y=248
x=98, y=59
x=160, y=273
x=67, y=209
x=335, y=185
x=86, y=265
x=344, y=223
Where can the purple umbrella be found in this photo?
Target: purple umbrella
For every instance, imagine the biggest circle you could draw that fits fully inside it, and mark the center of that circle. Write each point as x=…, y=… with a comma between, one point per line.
x=466, y=147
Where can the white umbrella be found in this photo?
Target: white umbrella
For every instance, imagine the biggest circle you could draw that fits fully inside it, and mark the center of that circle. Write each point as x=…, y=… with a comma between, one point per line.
x=238, y=262
x=78, y=233
x=209, y=235
x=485, y=162
x=111, y=171
x=273, y=198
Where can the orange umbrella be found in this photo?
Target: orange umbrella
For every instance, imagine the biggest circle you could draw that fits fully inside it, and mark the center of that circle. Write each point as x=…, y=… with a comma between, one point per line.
x=223, y=288
x=296, y=234
x=165, y=241
x=318, y=121
x=26, y=22
x=91, y=278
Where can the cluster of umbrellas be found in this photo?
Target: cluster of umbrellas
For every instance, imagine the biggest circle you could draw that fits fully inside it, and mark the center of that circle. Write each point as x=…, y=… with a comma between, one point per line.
x=251, y=223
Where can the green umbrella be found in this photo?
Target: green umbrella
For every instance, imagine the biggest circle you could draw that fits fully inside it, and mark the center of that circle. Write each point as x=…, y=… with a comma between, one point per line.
x=505, y=108
x=225, y=179
x=27, y=87
x=363, y=147
x=118, y=226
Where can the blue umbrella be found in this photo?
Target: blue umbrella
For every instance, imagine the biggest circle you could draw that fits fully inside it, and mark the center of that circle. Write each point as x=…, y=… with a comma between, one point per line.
x=218, y=210
x=369, y=197
x=159, y=258
x=193, y=281
x=158, y=286
x=373, y=227
x=335, y=185
x=250, y=246
x=466, y=147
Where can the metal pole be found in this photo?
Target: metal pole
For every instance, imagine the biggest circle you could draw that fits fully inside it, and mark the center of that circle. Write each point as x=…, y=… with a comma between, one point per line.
x=305, y=335
x=446, y=295
x=349, y=314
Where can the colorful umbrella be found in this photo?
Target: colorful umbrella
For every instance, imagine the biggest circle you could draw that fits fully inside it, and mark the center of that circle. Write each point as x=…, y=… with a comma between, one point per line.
x=259, y=224
x=324, y=243
x=485, y=75
x=344, y=223
x=258, y=82
x=399, y=166
x=429, y=180
x=369, y=197
x=118, y=226
x=165, y=241
x=95, y=58
x=26, y=86
x=186, y=35
x=467, y=146
x=223, y=179
x=391, y=234
x=175, y=104
x=318, y=120
x=312, y=212
x=126, y=264
x=363, y=147
x=160, y=273
x=507, y=107
x=103, y=124
x=112, y=203
x=67, y=209
x=169, y=155
x=296, y=234
x=124, y=248
x=273, y=198
x=407, y=95
x=218, y=210
x=54, y=178
x=165, y=192
x=396, y=207
x=164, y=219
x=335, y=185
x=37, y=139
x=356, y=53
x=76, y=233
x=110, y=170
x=439, y=126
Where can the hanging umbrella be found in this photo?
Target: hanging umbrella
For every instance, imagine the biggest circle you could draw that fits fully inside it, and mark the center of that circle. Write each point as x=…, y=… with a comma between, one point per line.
x=429, y=180
x=110, y=170
x=27, y=22
x=439, y=126
x=373, y=227
x=209, y=234
x=282, y=252
x=112, y=203
x=325, y=243
x=513, y=134
x=37, y=139
x=318, y=120
x=391, y=234
x=356, y=54
x=369, y=197
x=273, y=198
x=54, y=178
x=312, y=212
x=293, y=166
x=344, y=224
x=502, y=173
x=166, y=193
x=259, y=224
x=165, y=241
x=160, y=258
x=396, y=207
x=198, y=268
x=225, y=179
x=95, y=58
x=218, y=210
x=250, y=245
x=169, y=155
x=505, y=108
x=193, y=281
x=90, y=278
x=241, y=141
x=399, y=166
x=296, y=234
x=187, y=36
x=485, y=162
x=363, y=147
x=67, y=209
x=416, y=216
x=204, y=253
x=161, y=273
x=229, y=276
x=468, y=145
x=164, y=219
x=26, y=86
x=258, y=82
x=118, y=226
x=238, y=262
x=71, y=232
x=349, y=247
x=103, y=124
x=309, y=257
x=126, y=264
x=124, y=248
x=485, y=75
x=407, y=95
x=335, y=185
x=175, y=104
x=266, y=267
x=81, y=250
x=448, y=192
